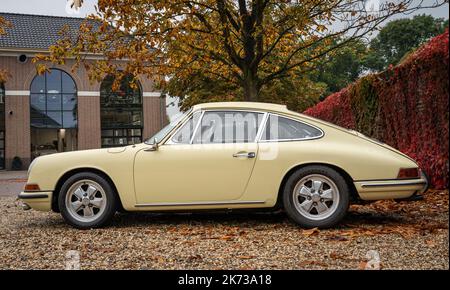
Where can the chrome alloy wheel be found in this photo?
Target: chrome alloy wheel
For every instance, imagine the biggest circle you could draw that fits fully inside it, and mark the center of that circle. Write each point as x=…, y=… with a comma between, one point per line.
x=316, y=197
x=85, y=200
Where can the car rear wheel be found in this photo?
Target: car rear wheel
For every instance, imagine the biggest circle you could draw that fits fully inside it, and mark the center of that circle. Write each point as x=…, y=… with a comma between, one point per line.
x=316, y=196
x=87, y=200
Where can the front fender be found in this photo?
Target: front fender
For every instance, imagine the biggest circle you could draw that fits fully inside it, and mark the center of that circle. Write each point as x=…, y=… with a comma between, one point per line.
x=47, y=171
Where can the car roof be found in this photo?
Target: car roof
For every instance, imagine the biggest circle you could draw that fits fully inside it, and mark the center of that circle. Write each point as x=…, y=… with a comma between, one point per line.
x=274, y=108
x=244, y=105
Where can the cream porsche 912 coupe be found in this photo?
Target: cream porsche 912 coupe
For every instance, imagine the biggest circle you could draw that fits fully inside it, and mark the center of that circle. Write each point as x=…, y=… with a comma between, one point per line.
x=226, y=156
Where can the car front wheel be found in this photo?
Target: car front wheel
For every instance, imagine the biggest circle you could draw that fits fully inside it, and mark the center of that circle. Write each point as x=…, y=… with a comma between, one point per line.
x=316, y=196
x=87, y=200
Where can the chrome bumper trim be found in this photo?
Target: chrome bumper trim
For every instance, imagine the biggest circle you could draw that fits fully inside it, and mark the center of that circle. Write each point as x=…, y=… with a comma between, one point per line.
x=393, y=183
x=32, y=195
x=198, y=203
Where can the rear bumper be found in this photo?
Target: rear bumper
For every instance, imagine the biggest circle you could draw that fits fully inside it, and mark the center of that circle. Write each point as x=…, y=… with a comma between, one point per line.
x=37, y=200
x=391, y=189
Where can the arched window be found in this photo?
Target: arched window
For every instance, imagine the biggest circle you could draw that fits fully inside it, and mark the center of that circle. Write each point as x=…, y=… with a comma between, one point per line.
x=53, y=100
x=2, y=126
x=121, y=113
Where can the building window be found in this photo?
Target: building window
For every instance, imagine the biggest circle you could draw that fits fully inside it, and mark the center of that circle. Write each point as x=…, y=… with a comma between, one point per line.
x=2, y=126
x=53, y=100
x=121, y=113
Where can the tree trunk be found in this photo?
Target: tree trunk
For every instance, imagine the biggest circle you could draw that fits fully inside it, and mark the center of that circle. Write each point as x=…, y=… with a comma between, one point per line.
x=251, y=87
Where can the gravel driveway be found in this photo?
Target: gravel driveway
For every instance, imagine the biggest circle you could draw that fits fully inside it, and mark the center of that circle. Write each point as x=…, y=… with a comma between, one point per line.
x=404, y=236
x=12, y=182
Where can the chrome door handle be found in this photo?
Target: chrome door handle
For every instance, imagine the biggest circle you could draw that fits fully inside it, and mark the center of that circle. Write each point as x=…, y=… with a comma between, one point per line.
x=244, y=154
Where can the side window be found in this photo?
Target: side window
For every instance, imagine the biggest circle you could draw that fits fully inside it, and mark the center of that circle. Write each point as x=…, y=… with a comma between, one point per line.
x=280, y=128
x=228, y=127
x=184, y=135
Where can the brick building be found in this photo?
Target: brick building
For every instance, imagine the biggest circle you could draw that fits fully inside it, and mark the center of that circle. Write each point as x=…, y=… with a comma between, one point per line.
x=62, y=110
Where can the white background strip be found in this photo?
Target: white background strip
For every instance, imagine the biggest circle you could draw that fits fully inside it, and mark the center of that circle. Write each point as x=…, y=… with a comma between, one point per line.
x=88, y=93
x=17, y=93
x=152, y=94
x=81, y=94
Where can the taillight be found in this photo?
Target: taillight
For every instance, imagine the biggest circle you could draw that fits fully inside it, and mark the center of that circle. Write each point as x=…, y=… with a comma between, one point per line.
x=32, y=187
x=406, y=173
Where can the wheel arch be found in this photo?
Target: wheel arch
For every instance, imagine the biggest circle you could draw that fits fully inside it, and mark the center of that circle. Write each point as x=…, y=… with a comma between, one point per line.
x=74, y=171
x=348, y=179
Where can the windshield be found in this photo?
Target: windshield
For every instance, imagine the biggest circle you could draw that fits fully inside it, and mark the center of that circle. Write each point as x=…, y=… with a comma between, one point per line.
x=166, y=130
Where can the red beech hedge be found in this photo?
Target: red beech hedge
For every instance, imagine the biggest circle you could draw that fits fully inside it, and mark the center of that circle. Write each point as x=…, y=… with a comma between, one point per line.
x=406, y=106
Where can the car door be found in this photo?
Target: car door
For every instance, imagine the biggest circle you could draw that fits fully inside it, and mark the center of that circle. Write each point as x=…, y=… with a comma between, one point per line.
x=209, y=159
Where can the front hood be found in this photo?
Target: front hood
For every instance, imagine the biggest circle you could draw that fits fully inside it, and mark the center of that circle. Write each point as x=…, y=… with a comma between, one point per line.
x=47, y=170
x=82, y=153
x=90, y=151
x=60, y=155
x=117, y=149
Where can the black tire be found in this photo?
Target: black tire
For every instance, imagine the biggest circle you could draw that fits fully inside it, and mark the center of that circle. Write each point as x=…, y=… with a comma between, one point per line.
x=302, y=220
x=103, y=218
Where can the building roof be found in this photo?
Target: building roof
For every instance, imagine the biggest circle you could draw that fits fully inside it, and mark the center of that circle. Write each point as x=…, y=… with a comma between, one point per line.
x=37, y=32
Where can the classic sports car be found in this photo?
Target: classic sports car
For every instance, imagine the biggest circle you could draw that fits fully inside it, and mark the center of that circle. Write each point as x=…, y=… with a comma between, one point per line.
x=226, y=156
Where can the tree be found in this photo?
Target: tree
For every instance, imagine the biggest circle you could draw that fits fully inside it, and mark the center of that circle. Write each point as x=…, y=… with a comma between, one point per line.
x=248, y=44
x=342, y=68
x=399, y=37
x=76, y=4
x=4, y=24
x=298, y=92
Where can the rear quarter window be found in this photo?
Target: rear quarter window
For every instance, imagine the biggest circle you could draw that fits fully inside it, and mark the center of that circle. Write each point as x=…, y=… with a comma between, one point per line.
x=281, y=128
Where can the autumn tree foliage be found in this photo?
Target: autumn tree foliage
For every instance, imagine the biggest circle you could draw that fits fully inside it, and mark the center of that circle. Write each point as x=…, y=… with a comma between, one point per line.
x=3, y=26
x=247, y=44
x=398, y=37
x=405, y=106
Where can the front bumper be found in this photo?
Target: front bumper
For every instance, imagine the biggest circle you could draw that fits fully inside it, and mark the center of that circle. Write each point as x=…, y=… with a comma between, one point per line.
x=391, y=189
x=41, y=200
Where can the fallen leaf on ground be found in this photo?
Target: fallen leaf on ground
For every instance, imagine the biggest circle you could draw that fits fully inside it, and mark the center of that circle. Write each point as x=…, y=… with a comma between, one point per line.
x=362, y=265
x=226, y=237
x=335, y=256
x=245, y=257
x=310, y=232
x=431, y=243
x=310, y=263
x=337, y=238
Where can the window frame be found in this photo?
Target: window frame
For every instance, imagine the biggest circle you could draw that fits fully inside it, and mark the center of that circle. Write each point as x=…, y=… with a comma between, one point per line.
x=260, y=140
x=107, y=107
x=126, y=136
x=61, y=111
x=183, y=122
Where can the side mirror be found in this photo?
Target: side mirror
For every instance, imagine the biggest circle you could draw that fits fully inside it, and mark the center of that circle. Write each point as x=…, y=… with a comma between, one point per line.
x=154, y=146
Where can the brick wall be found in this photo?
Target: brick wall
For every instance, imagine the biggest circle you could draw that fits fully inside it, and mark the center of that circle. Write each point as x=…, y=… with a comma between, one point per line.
x=152, y=116
x=17, y=124
x=17, y=100
x=89, y=130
